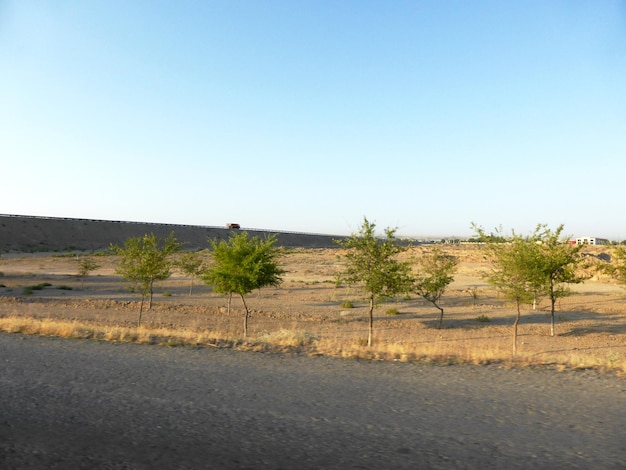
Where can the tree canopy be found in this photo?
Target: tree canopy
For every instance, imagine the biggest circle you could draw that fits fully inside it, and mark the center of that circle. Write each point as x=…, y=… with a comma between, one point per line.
x=144, y=260
x=539, y=264
x=558, y=265
x=436, y=273
x=514, y=270
x=191, y=264
x=242, y=264
x=371, y=262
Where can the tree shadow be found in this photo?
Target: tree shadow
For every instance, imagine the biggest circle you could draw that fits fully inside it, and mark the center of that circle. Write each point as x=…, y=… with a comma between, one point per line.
x=569, y=322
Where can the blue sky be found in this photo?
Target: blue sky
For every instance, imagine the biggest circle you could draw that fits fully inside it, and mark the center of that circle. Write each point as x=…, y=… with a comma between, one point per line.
x=309, y=115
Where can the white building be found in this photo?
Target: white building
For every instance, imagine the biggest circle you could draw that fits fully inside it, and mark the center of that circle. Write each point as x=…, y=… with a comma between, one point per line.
x=591, y=241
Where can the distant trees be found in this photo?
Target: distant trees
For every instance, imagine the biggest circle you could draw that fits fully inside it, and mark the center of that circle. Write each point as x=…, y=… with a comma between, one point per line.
x=436, y=273
x=191, y=264
x=242, y=264
x=144, y=260
x=372, y=263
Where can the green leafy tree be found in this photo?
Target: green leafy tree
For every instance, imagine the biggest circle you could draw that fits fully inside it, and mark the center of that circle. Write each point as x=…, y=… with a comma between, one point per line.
x=372, y=263
x=549, y=266
x=191, y=264
x=85, y=266
x=558, y=265
x=144, y=260
x=242, y=264
x=436, y=273
x=514, y=270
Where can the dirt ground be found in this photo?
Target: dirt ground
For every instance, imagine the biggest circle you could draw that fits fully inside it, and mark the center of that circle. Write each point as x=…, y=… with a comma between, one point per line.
x=591, y=323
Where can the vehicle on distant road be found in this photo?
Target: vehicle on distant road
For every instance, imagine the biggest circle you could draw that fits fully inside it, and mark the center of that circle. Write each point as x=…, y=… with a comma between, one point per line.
x=233, y=226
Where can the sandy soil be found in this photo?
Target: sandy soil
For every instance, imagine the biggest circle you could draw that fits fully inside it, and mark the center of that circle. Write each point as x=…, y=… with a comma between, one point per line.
x=591, y=324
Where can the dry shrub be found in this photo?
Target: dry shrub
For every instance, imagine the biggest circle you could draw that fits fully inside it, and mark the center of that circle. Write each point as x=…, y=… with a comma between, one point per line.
x=282, y=337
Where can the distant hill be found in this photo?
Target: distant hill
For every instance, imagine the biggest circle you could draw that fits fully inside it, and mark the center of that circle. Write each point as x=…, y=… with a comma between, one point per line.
x=33, y=234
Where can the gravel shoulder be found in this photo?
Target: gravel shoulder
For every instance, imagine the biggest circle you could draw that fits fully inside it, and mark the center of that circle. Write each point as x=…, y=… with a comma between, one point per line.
x=83, y=404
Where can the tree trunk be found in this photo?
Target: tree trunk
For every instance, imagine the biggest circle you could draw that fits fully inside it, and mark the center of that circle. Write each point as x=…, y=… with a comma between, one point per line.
x=245, y=318
x=370, y=331
x=150, y=300
x=440, y=316
x=140, y=310
x=515, y=329
x=552, y=303
x=552, y=317
x=191, y=287
x=230, y=298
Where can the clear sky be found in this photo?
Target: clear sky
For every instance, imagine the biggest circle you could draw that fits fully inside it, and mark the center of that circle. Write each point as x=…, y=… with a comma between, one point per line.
x=308, y=115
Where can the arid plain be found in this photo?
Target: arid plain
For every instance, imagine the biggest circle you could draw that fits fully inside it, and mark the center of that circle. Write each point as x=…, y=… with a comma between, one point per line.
x=305, y=314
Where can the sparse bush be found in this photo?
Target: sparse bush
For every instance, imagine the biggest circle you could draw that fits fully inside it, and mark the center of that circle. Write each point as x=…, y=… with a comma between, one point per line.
x=473, y=293
x=392, y=311
x=64, y=288
x=483, y=319
x=167, y=294
x=85, y=266
x=347, y=304
x=41, y=286
x=30, y=289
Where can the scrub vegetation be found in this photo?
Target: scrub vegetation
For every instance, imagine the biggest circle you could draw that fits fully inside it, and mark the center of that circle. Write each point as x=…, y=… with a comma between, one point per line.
x=296, y=304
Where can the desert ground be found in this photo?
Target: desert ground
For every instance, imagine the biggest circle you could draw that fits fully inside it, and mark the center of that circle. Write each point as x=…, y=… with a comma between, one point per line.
x=591, y=323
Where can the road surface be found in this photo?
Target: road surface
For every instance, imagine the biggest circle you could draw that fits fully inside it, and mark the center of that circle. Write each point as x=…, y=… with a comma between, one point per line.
x=71, y=404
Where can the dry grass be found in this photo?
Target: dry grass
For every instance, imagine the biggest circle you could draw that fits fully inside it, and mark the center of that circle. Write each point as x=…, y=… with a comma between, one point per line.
x=443, y=351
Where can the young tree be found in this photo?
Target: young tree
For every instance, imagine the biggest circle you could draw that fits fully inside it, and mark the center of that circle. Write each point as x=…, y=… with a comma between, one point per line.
x=191, y=264
x=371, y=263
x=85, y=266
x=437, y=272
x=549, y=265
x=242, y=264
x=145, y=260
x=514, y=270
x=558, y=265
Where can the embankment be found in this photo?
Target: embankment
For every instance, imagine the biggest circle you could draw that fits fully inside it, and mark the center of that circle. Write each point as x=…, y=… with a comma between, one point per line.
x=34, y=234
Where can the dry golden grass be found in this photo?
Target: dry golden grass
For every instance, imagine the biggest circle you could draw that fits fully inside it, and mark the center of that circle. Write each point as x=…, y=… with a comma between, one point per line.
x=296, y=341
x=305, y=316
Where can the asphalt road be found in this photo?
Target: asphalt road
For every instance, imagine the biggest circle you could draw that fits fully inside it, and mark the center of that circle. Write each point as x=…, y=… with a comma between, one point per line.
x=68, y=404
